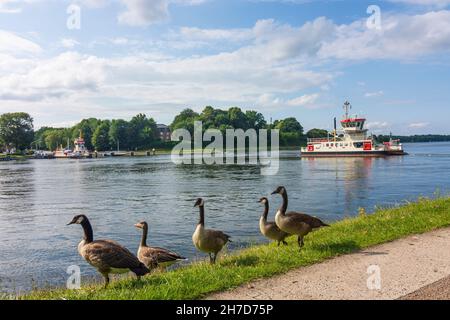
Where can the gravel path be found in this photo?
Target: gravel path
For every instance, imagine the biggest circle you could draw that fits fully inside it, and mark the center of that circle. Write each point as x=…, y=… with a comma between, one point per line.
x=406, y=267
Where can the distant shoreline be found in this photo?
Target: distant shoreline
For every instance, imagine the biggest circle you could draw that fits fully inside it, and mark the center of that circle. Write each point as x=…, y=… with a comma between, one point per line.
x=160, y=152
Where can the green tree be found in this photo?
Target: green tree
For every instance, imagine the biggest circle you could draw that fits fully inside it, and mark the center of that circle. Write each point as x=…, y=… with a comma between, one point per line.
x=291, y=132
x=87, y=128
x=100, y=138
x=289, y=125
x=185, y=120
x=237, y=118
x=143, y=131
x=118, y=134
x=255, y=120
x=55, y=138
x=39, y=137
x=16, y=130
x=316, y=133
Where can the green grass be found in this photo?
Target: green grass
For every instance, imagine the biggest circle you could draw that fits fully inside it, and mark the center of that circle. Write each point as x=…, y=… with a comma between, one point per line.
x=200, y=279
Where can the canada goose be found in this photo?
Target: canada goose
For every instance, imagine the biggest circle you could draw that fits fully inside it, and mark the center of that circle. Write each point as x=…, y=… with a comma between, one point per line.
x=295, y=223
x=106, y=256
x=270, y=229
x=154, y=256
x=208, y=241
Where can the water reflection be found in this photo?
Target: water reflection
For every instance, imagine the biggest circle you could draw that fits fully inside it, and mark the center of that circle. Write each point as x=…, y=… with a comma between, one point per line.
x=351, y=177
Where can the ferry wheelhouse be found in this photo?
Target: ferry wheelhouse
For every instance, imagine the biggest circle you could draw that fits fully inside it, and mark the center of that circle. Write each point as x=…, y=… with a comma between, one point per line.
x=351, y=141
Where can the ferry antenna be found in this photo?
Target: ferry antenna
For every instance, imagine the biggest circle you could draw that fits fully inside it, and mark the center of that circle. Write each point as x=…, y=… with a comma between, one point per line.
x=347, y=108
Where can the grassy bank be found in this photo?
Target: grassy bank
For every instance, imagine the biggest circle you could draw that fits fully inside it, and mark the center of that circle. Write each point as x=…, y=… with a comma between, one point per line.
x=199, y=279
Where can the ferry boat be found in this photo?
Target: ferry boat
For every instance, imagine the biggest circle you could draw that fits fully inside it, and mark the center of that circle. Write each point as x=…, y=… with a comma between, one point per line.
x=352, y=141
x=80, y=148
x=79, y=152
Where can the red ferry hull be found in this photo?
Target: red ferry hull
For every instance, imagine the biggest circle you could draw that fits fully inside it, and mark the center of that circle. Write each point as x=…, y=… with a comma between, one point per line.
x=353, y=154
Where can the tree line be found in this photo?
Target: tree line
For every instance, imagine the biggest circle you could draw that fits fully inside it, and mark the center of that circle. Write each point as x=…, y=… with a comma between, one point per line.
x=141, y=133
x=416, y=138
x=137, y=134
x=291, y=131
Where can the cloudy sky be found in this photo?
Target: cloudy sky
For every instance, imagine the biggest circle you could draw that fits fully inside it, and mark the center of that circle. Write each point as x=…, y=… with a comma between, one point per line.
x=283, y=57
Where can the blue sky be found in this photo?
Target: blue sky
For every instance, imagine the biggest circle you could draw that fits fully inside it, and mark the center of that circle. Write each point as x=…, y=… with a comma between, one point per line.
x=282, y=57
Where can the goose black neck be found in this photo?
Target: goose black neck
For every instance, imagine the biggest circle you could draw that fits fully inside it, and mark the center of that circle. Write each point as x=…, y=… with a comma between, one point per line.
x=88, y=233
x=266, y=211
x=144, y=236
x=284, y=206
x=202, y=215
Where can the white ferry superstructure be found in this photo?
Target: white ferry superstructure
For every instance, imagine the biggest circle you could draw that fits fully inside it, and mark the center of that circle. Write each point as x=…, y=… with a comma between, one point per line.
x=351, y=141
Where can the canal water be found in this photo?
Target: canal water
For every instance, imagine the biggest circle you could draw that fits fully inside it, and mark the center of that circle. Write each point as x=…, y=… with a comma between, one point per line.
x=38, y=198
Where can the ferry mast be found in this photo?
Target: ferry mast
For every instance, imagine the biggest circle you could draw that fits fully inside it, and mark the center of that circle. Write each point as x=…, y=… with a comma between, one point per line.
x=347, y=107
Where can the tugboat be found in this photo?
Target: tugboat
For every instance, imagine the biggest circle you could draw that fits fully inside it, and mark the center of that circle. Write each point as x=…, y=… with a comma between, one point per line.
x=352, y=141
x=79, y=152
x=80, y=148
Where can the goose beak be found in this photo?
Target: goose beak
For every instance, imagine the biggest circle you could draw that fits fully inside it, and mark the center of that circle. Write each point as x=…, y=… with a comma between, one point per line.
x=274, y=193
x=70, y=223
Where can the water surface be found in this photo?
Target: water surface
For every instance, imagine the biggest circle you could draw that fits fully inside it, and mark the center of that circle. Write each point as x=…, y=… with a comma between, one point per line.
x=38, y=198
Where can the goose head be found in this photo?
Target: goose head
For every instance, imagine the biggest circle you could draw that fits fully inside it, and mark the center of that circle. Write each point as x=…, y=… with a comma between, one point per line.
x=80, y=219
x=141, y=225
x=263, y=200
x=280, y=190
x=199, y=203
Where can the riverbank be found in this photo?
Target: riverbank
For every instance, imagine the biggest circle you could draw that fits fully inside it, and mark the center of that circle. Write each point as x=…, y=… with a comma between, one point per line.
x=11, y=157
x=262, y=261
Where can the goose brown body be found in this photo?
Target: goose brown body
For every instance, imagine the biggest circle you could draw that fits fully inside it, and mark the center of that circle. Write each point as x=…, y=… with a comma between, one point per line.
x=155, y=256
x=106, y=256
x=207, y=240
x=300, y=224
x=270, y=229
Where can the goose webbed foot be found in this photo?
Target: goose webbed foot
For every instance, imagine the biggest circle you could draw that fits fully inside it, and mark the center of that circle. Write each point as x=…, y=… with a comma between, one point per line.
x=106, y=276
x=300, y=242
x=211, y=261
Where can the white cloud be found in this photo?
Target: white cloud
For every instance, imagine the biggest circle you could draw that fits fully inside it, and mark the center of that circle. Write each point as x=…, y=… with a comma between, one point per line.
x=143, y=13
x=263, y=65
x=14, y=6
x=374, y=94
x=304, y=100
x=66, y=74
x=401, y=37
x=418, y=125
x=14, y=44
x=69, y=43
